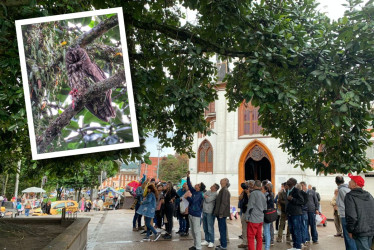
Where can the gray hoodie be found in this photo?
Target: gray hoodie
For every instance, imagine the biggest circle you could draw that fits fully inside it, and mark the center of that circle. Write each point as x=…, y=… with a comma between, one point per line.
x=209, y=202
x=343, y=190
x=256, y=207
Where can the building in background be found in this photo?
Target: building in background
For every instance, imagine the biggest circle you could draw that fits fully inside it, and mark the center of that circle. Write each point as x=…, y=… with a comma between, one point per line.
x=150, y=170
x=128, y=172
x=238, y=151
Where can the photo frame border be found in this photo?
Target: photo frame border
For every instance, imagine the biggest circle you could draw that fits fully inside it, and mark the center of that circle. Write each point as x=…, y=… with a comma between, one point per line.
x=25, y=82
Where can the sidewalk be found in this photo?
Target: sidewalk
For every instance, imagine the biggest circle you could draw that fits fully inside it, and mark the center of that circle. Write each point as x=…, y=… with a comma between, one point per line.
x=113, y=230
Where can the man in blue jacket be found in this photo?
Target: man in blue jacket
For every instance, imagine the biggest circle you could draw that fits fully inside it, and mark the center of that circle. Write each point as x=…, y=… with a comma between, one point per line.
x=195, y=199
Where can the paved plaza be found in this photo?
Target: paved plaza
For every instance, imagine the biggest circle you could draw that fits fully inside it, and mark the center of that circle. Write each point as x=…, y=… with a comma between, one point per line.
x=113, y=230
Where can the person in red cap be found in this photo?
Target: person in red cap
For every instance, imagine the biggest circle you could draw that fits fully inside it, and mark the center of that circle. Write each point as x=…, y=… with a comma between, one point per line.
x=359, y=213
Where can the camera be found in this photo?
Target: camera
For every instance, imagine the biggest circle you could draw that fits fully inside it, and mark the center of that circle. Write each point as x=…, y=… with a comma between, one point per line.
x=244, y=186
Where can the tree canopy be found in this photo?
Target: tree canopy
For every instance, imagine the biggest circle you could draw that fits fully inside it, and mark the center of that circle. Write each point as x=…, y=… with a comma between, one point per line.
x=311, y=77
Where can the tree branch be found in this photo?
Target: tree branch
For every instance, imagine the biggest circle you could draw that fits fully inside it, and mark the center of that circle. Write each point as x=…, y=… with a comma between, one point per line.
x=64, y=119
x=183, y=34
x=89, y=36
x=105, y=52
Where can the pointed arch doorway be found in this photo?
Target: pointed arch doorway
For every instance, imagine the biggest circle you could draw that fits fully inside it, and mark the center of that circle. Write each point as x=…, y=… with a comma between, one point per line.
x=256, y=163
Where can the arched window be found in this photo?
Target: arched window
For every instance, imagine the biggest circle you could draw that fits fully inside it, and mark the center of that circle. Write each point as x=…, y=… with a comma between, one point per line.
x=205, y=157
x=248, y=120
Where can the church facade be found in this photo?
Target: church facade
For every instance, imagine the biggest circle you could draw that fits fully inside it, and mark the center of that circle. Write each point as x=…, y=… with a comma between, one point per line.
x=238, y=151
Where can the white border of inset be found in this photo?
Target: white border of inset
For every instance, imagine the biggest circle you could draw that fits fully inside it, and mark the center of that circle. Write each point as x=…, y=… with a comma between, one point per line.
x=35, y=155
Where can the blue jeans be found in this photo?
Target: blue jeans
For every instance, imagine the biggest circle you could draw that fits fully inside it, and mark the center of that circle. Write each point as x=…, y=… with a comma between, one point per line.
x=208, y=225
x=137, y=217
x=267, y=235
x=27, y=211
x=305, y=233
x=363, y=243
x=182, y=224
x=149, y=226
x=350, y=243
x=222, y=226
x=313, y=226
x=295, y=223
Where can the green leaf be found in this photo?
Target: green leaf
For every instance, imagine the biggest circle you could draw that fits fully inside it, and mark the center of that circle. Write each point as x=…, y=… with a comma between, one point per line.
x=343, y=108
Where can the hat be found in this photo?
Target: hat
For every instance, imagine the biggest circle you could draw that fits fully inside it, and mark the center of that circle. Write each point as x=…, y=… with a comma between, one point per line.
x=358, y=179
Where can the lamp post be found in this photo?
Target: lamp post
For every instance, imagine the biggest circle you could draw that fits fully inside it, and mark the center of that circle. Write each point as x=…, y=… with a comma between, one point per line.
x=158, y=160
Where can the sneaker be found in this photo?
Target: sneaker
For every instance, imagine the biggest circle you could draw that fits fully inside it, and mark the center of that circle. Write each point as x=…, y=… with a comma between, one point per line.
x=184, y=234
x=211, y=245
x=158, y=230
x=192, y=248
x=178, y=232
x=167, y=237
x=204, y=243
x=143, y=233
x=220, y=248
x=337, y=235
x=242, y=246
x=146, y=239
x=315, y=242
x=157, y=236
x=135, y=229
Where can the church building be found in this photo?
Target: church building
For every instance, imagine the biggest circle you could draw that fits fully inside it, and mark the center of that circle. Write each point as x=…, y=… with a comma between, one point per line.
x=238, y=151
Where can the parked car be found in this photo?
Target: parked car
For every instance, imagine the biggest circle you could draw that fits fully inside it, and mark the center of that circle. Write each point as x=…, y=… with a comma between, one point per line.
x=57, y=206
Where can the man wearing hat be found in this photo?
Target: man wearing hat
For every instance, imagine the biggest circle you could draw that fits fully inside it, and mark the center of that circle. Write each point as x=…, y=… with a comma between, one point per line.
x=359, y=213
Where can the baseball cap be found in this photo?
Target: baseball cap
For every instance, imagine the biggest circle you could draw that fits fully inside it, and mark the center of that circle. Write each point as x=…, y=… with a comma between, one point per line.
x=358, y=179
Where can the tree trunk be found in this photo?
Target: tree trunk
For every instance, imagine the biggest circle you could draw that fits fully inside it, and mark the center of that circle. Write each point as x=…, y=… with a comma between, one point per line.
x=5, y=183
x=91, y=193
x=79, y=194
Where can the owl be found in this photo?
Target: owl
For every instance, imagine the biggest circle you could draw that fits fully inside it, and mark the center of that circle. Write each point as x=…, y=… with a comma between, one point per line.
x=80, y=70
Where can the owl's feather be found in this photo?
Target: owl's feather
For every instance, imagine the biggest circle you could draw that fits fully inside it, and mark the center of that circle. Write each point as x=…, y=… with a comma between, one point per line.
x=80, y=69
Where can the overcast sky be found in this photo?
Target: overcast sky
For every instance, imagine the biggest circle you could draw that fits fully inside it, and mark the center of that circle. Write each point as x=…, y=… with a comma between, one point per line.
x=332, y=8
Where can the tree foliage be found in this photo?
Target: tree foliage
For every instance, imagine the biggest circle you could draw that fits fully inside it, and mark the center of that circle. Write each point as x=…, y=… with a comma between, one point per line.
x=311, y=77
x=173, y=168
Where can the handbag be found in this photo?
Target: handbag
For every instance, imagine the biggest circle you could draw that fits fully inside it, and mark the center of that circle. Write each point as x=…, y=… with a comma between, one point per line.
x=270, y=215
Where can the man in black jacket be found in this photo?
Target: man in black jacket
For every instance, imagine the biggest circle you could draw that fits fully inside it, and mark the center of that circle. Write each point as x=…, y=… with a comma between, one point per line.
x=312, y=206
x=294, y=212
x=359, y=213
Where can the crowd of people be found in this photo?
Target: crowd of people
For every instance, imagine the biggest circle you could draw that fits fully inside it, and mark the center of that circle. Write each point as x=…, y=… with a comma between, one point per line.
x=158, y=203
x=294, y=208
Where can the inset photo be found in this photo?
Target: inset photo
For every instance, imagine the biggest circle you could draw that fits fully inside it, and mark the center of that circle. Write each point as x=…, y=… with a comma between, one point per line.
x=77, y=83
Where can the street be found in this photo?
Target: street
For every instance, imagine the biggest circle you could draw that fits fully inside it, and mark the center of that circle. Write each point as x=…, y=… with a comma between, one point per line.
x=113, y=230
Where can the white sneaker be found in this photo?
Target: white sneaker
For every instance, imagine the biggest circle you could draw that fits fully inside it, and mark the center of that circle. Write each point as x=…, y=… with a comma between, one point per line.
x=204, y=243
x=211, y=245
x=158, y=230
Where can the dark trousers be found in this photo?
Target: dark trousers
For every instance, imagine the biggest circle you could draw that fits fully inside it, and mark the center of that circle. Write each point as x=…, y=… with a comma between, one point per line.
x=184, y=223
x=169, y=212
x=313, y=226
x=137, y=217
x=222, y=226
x=277, y=223
x=158, y=218
x=295, y=224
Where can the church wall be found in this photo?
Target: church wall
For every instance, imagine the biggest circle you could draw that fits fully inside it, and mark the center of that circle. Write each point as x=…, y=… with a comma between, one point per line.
x=227, y=150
